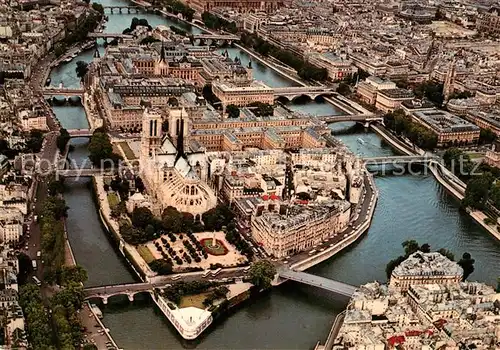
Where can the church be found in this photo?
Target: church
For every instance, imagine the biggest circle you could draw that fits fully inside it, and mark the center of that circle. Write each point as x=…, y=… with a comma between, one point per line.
x=174, y=176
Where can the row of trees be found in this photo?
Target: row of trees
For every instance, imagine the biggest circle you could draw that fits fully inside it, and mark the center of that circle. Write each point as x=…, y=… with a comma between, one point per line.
x=178, y=7
x=135, y=23
x=215, y=22
x=37, y=317
x=304, y=69
x=412, y=246
x=232, y=111
x=58, y=329
x=261, y=109
x=431, y=90
x=101, y=150
x=401, y=124
x=178, y=31
x=62, y=140
x=146, y=227
x=176, y=291
x=482, y=187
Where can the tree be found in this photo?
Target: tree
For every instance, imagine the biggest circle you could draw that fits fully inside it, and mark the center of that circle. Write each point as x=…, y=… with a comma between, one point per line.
x=98, y=7
x=487, y=136
x=62, y=139
x=261, y=109
x=261, y=274
x=56, y=187
x=101, y=151
x=141, y=217
x=343, y=89
x=72, y=274
x=391, y=265
x=59, y=49
x=82, y=68
x=477, y=191
x=446, y=253
x=161, y=266
x=172, y=220
x=233, y=111
x=425, y=248
x=410, y=246
x=139, y=184
x=467, y=264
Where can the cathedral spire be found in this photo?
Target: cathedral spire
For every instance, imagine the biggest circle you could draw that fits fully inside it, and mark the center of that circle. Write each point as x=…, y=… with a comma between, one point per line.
x=180, y=140
x=162, y=53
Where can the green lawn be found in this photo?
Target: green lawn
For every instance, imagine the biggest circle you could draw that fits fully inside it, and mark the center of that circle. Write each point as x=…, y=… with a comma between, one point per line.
x=195, y=300
x=113, y=199
x=475, y=155
x=145, y=253
x=127, y=150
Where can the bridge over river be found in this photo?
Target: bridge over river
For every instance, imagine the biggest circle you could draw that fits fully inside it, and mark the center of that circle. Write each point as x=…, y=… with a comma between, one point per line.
x=425, y=159
x=284, y=273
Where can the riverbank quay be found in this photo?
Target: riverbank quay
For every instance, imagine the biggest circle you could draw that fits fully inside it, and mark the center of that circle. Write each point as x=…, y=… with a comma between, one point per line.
x=112, y=226
x=358, y=227
x=95, y=331
x=446, y=178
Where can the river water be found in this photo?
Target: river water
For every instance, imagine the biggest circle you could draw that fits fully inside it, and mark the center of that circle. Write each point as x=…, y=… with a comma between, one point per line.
x=292, y=316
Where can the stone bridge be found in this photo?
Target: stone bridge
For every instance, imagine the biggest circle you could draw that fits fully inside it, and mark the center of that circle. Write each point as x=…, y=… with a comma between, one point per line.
x=361, y=118
x=85, y=172
x=106, y=292
x=294, y=92
x=120, y=9
x=317, y=281
x=109, y=36
x=80, y=132
x=226, y=37
x=62, y=91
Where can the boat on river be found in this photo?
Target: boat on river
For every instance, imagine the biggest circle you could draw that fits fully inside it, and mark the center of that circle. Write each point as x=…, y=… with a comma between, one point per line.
x=361, y=141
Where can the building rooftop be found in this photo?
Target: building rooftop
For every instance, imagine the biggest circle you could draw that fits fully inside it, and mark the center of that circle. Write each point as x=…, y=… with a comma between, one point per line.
x=421, y=264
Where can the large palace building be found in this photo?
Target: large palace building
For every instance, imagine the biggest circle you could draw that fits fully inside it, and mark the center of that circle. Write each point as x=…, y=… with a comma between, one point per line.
x=207, y=5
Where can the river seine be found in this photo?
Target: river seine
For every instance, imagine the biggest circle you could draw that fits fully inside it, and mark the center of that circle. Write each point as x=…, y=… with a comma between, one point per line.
x=291, y=316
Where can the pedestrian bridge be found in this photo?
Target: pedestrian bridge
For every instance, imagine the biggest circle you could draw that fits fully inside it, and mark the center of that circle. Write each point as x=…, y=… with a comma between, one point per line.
x=426, y=159
x=294, y=92
x=317, y=281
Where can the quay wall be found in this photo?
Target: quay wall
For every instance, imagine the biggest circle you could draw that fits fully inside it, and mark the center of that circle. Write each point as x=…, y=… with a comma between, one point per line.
x=331, y=251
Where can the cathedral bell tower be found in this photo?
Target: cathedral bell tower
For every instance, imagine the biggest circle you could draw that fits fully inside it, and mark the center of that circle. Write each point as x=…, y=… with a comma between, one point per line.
x=151, y=134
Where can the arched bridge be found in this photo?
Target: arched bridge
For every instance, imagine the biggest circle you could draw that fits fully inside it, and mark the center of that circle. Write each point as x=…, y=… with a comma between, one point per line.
x=317, y=281
x=62, y=91
x=400, y=160
x=293, y=92
x=227, y=37
x=130, y=289
x=80, y=132
x=85, y=172
x=362, y=117
x=109, y=36
x=120, y=9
